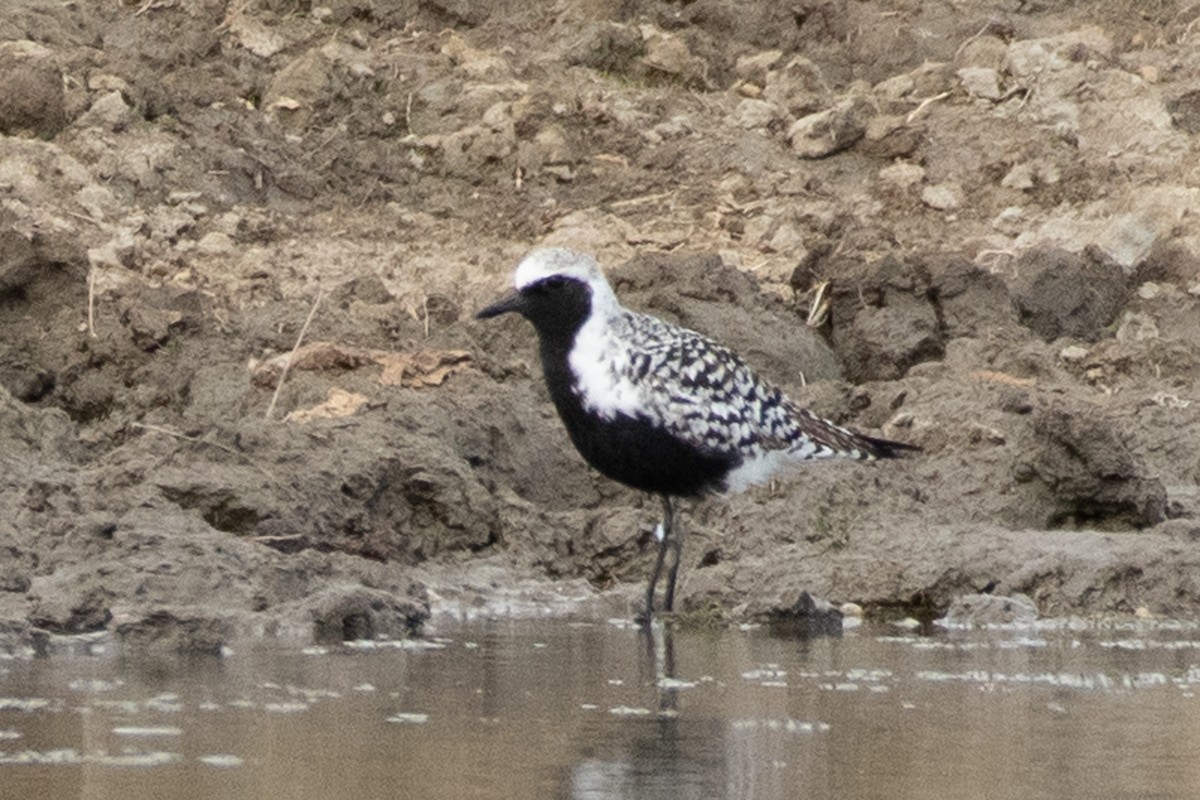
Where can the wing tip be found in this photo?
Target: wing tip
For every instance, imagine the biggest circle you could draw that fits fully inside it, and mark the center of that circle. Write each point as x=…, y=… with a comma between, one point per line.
x=889, y=448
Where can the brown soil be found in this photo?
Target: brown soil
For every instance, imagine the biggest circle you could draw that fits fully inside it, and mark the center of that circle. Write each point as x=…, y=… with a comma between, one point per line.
x=1001, y=197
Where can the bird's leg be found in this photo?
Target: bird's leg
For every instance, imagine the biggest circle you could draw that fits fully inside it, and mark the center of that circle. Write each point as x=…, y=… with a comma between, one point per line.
x=664, y=536
x=677, y=547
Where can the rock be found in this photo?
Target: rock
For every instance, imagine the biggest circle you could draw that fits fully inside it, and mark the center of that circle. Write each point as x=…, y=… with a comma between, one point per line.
x=754, y=68
x=1019, y=177
x=465, y=152
x=173, y=631
x=1029, y=58
x=469, y=13
x=1185, y=112
x=1060, y=294
x=99, y=201
x=798, y=88
x=1168, y=262
x=216, y=243
x=31, y=90
x=609, y=47
x=349, y=613
x=830, y=131
x=256, y=37
x=981, y=82
x=1137, y=327
x=669, y=55
x=475, y=64
x=901, y=177
x=883, y=320
x=805, y=615
x=1149, y=291
x=1073, y=354
x=298, y=87
x=1081, y=474
x=943, y=196
x=970, y=300
x=974, y=610
x=891, y=136
x=109, y=111
x=66, y=604
x=983, y=52
x=753, y=114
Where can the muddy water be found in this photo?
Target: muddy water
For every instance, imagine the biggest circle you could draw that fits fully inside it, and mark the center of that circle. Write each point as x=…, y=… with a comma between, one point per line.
x=561, y=710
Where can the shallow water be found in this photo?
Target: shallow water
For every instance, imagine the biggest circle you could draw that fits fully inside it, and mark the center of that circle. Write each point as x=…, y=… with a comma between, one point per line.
x=537, y=709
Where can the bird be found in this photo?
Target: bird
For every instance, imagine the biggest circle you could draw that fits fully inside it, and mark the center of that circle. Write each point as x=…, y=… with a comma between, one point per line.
x=658, y=407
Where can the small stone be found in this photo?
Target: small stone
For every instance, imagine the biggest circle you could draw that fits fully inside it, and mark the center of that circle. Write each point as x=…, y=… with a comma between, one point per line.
x=1137, y=327
x=1011, y=218
x=1073, y=353
x=901, y=176
x=751, y=114
x=670, y=54
x=1141, y=612
x=798, y=88
x=988, y=609
x=830, y=131
x=896, y=87
x=255, y=36
x=104, y=82
x=1019, y=177
x=215, y=243
x=31, y=90
x=943, y=196
x=108, y=111
x=754, y=69
x=890, y=136
x=1149, y=290
x=981, y=82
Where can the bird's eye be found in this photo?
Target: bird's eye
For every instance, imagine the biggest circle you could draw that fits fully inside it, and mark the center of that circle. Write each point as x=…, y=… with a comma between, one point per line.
x=554, y=282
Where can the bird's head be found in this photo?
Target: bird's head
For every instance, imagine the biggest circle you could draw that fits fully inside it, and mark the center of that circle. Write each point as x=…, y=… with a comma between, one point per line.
x=557, y=290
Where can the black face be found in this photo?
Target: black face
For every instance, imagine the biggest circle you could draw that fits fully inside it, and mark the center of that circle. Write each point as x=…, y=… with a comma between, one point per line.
x=557, y=306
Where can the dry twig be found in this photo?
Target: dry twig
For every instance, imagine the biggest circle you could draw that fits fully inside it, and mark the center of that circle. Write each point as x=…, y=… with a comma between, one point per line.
x=299, y=340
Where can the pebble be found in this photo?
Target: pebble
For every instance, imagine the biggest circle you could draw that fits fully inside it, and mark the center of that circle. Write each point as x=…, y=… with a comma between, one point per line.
x=670, y=54
x=981, y=82
x=1073, y=353
x=753, y=114
x=1019, y=177
x=215, y=243
x=754, y=68
x=109, y=111
x=1149, y=290
x=943, y=196
x=830, y=131
x=903, y=175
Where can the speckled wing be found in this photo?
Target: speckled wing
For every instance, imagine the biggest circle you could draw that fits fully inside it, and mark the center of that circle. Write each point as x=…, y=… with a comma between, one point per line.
x=706, y=395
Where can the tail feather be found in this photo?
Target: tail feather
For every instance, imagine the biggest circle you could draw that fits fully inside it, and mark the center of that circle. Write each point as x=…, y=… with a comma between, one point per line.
x=887, y=448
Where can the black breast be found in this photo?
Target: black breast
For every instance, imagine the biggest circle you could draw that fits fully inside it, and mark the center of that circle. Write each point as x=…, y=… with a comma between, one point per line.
x=631, y=450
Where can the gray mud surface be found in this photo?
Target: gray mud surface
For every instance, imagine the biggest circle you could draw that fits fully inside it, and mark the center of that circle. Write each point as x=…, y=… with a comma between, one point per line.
x=1001, y=197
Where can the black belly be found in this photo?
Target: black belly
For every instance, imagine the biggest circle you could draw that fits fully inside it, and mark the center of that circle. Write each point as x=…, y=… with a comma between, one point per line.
x=639, y=454
x=631, y=450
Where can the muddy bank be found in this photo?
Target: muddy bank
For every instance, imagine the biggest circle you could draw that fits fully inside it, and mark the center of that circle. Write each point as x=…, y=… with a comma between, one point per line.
x=1009, y=263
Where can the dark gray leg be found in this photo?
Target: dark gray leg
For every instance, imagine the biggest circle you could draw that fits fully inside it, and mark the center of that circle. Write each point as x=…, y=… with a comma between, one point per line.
x=668, y=536
x=673, y=572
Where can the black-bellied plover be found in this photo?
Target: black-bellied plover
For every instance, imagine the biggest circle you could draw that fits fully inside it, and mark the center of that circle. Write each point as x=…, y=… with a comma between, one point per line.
x=658, y=407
